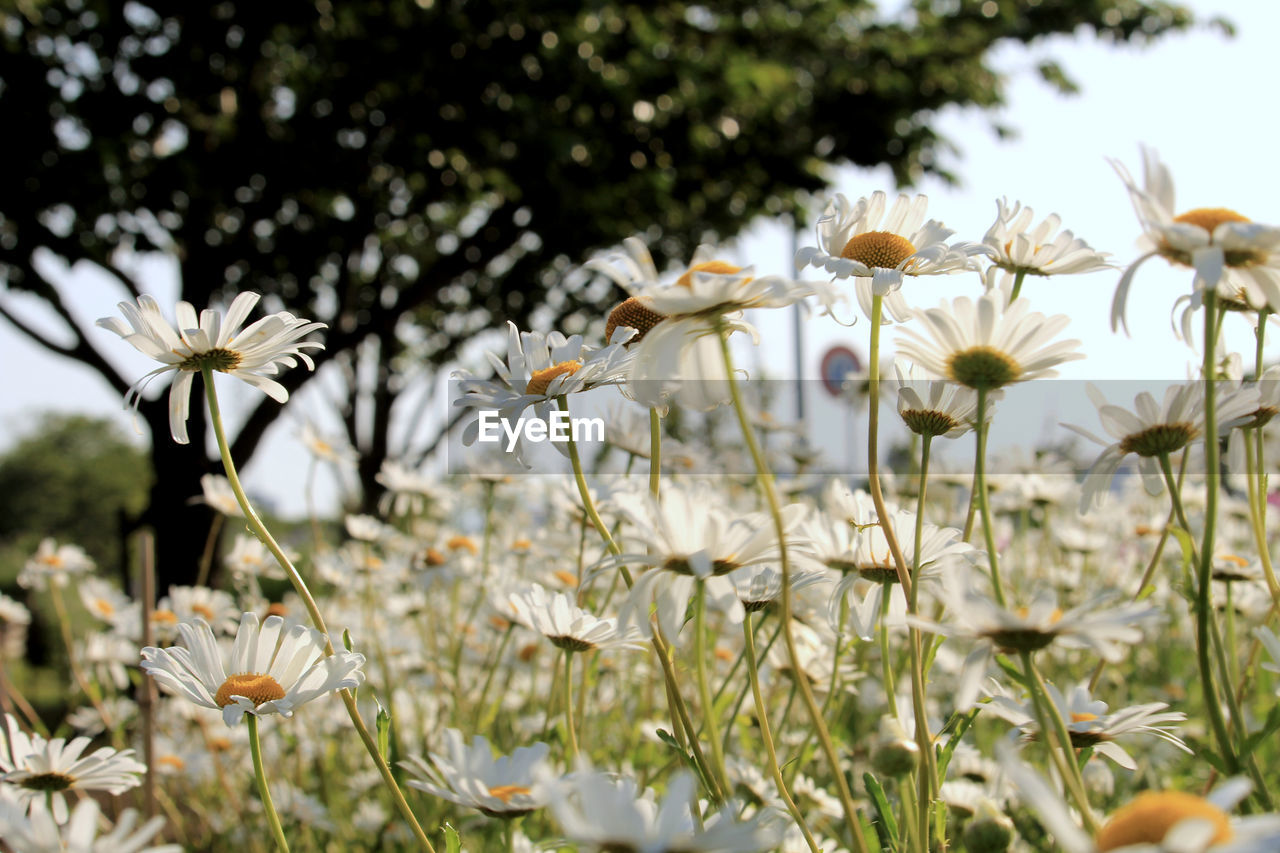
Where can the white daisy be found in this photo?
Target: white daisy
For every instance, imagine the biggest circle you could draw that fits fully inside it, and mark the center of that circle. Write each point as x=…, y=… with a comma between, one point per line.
x=35, y=771
x=274, y=668
x=878, y=250
x=538, y=369
x=602, y=812
x=1153, y=431
x=506, y=786
x=987, y=344
x=567, y=626
x=1016, y=247
x=216, y=492
x=38, y=832
x=54, y=563
x=1089, y=724
x=933, y=407
x=253, y=354
x=14, y=620
x=1240, y=259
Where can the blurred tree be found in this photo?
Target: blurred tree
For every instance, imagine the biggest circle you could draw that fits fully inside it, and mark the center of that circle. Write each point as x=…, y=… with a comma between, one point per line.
x=73, y=478
x=414, y=172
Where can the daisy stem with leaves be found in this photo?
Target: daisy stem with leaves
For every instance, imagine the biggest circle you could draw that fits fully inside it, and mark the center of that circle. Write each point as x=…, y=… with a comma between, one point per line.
x=680, y=715
x=264, y=793
x=764, y=478
x=260, y=530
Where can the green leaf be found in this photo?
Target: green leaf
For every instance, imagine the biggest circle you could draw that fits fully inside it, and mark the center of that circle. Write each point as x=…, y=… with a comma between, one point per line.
x=452, y=841
x=962, y=726
x=1268, y=728
x=886, y=826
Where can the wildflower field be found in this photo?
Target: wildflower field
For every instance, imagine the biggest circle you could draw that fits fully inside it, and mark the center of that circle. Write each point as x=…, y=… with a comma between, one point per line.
x=692, y=642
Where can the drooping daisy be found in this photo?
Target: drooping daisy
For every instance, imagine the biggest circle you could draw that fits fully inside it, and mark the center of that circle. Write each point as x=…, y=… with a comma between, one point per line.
x=987, y=344
x=1238, y=258
x=538, y=369
x=54, y=563
x=14, y=620
x=878, y=250
x=39, y=832
x=253, y=354
x=567, y=626
x=273, y=667
x=1018, y=248
x=1154, y=430
x=1089, y=723
x=506, y=786
x=35, y=771
x=602, y=812
x=327, y=448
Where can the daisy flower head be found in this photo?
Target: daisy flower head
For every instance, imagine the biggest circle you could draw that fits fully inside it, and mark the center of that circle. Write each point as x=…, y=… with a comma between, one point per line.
x=878, y=250
x=539, y=368
x=1153, y=821
x=1015, y=246
x=37, y=772
x=1089, y=723
x=14, y=620
x=677, y=323
x=1238, y=258
x=38, y=832
x=933, y=407
x=987, y=344
x=567, y=626
x=602, y=812
x=253, y=354
x=1154, y=431
x=506, y=786
x=273, y=668
x=54, y=563
x=1029, y=628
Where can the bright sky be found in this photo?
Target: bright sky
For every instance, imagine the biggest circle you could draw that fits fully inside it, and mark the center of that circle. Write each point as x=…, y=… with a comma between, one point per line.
x=1200, y=99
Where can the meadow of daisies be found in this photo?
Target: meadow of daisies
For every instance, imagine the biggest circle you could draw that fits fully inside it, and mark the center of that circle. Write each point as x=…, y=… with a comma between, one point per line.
x=696, y=645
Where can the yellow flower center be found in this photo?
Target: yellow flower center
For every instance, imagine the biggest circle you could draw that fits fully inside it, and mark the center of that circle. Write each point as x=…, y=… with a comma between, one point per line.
x=1209, y=218
x=882, y=249
x=507, y=792
x=1152, y=814
x=1159, y=439
x=275, y=608
x=541, y=379
x=521, y=545
x=717, y=267
x=983, y=367
x=53, y=561
x=203, y=610
x=104, y=606
x=566, y=577
x=634, y=314
x=219, y=359
x=164, y=617
x=219, y=744
x=172, y=761
x=460, y=542
x=1082, y=716
x=47, y=782
x=256, y=688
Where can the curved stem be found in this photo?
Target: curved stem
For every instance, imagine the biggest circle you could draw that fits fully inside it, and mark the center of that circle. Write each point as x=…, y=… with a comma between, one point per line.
x=568, y=707
x=927, y=780
x=764, y=477
x=1017, y=284
x=300, y=587
x=709, y=722
x=260, y=774
x=1054, y=730
x=873, y=462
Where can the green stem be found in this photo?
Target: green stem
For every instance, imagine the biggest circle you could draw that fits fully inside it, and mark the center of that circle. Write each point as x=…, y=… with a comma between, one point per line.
x=568, y=707
x=659, y=643
x=1017, y=284
x=655, y=451
x=984, y=507
x=300, y=587
x=873, y=451
x=1054, y=730
x=927, y=780
x=1204, y=602
x=709, y=722
x=273, y=819
x=764, y=477
x=766, y=734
